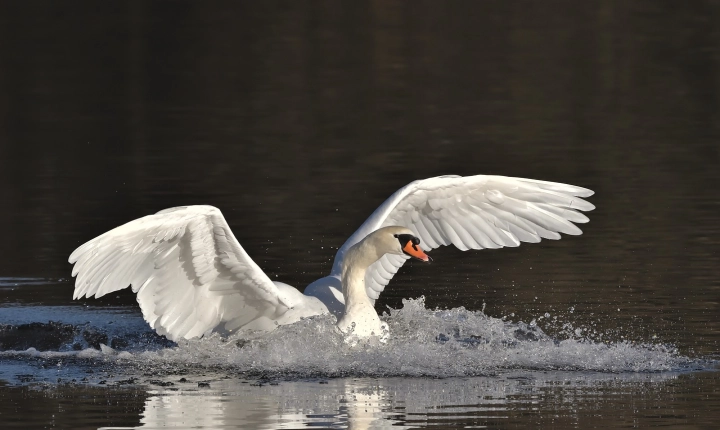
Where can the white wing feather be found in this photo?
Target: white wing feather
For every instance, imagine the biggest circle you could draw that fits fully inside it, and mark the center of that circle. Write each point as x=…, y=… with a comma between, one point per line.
x=190, y=274
x=473, y=212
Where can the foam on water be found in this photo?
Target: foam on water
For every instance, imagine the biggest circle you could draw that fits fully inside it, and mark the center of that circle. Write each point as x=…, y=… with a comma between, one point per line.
x=423, y=342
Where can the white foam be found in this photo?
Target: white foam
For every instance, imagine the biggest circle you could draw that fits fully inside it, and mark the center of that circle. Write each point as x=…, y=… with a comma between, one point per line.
x=423, y=342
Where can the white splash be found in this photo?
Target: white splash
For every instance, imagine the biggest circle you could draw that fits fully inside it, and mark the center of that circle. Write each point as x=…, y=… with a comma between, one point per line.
x=423, y=342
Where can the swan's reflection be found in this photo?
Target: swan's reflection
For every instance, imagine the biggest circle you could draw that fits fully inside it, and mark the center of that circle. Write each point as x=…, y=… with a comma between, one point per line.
x=383, y=403
x=356, y=405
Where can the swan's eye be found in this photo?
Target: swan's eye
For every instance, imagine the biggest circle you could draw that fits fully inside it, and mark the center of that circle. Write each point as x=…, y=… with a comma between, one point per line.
x=405, y=238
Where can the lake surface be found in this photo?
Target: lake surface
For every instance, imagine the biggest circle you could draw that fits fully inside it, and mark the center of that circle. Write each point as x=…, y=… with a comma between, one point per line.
x=297, y=120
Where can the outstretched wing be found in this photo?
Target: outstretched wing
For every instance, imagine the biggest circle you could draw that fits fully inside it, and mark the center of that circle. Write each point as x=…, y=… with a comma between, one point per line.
x=472, y=212
x=189, y=272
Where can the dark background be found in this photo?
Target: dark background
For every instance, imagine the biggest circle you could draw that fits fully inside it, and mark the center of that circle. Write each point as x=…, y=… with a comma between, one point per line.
x=298, y=118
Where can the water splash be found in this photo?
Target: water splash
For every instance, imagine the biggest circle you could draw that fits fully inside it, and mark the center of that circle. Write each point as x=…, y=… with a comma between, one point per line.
x=423, y=342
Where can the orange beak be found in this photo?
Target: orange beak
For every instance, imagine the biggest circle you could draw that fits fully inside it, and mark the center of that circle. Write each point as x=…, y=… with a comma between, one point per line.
x=415, y=251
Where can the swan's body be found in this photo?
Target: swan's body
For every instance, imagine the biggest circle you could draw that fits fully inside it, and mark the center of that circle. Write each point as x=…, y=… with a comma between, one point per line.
x=192, y=277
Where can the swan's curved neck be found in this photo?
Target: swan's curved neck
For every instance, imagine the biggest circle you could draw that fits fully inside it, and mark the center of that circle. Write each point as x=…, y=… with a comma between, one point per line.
x=360, y=317
x=357, y=260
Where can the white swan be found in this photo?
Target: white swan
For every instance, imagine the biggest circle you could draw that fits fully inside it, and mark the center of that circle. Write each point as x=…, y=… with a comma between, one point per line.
x=192, y=277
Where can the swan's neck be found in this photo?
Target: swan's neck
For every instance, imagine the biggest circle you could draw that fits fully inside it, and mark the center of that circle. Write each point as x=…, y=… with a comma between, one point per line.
x=353, y=281
x=360, y=317
x=357, y=261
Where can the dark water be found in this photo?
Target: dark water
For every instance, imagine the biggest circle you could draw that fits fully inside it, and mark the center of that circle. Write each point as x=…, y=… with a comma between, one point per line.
x=297, y=119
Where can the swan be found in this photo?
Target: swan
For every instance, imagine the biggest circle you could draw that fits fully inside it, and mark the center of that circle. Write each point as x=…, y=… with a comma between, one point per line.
x=192, y=277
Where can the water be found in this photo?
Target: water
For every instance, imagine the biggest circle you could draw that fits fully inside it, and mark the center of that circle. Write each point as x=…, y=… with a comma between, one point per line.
x=455, y=367
x=297, y=121
x=572, y=400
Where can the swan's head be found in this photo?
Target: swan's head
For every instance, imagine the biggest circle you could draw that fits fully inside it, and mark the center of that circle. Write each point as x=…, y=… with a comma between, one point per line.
x=401, y=240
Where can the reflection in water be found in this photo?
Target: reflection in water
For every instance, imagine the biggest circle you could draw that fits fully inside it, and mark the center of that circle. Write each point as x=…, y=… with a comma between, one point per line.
x=403, y=403
x=508, y=400
x=337, y=404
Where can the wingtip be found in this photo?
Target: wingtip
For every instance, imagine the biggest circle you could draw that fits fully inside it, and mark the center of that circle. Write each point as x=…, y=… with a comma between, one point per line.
x=584, y=192
x=587, y=206
x=74, y=256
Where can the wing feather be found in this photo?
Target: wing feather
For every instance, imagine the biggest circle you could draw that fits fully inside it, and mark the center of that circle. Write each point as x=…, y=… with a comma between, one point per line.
x=437, y=237
x=190, y=274
x=478, y=222
x=422, y=233
x=473, y=212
